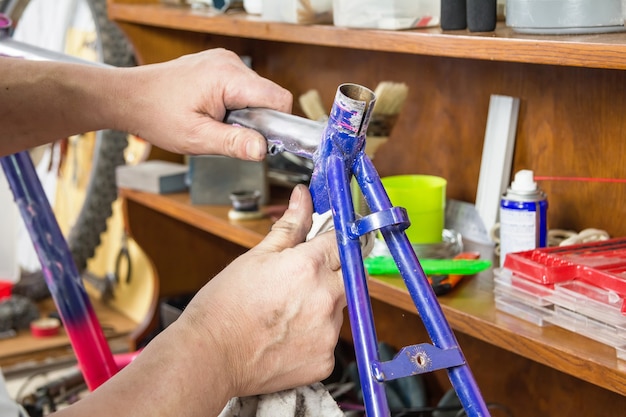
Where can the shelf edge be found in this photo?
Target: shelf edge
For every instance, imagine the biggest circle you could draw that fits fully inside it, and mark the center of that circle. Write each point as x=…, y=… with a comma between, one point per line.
x=501, y=45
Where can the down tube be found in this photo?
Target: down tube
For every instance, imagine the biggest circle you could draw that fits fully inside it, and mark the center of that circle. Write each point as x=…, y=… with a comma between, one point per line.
x=357, y=296
x=92, y=351
x=420, y=290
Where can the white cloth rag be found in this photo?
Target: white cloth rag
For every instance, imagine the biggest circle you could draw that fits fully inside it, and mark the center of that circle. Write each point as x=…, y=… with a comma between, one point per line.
x=325, y=222
x=308, y=401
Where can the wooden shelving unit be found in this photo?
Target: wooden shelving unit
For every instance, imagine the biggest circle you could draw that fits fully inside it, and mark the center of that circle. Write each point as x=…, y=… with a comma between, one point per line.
x=573, y=94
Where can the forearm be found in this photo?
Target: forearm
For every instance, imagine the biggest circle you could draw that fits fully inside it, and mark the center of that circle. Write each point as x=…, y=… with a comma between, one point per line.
x=178, y=105
x=45, y=101
x=179, y=373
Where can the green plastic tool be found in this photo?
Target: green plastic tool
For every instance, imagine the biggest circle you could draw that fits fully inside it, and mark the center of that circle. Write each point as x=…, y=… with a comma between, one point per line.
x=385, y=265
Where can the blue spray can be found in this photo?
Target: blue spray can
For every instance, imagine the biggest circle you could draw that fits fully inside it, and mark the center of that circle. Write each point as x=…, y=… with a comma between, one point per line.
x=523, y=212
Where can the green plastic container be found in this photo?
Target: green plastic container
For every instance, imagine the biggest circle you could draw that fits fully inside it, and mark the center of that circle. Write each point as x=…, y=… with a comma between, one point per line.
x=424, y=198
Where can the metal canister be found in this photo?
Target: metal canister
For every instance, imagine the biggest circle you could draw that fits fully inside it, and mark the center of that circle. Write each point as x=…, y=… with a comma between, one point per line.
x=523, y=216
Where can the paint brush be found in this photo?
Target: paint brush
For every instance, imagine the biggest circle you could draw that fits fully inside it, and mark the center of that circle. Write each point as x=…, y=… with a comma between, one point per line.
x=312, y=106
x=390, y=98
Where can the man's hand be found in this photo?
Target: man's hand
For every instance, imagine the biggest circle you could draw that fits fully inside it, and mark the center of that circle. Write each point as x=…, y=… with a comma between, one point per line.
x=180, y=105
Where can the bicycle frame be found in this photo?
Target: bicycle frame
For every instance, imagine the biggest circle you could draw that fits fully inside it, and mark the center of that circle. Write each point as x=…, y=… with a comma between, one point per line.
x=342, y=155
x=339, y=157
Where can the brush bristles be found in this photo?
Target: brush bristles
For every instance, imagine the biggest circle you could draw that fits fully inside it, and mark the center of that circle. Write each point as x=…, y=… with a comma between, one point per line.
x=390, y=97
x=312, y=106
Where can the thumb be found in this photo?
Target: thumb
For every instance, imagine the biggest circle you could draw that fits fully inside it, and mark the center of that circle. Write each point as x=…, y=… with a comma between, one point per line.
x=292, y=228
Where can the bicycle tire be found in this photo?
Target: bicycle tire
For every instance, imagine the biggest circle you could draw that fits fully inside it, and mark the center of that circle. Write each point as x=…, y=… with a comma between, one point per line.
x=84, y=236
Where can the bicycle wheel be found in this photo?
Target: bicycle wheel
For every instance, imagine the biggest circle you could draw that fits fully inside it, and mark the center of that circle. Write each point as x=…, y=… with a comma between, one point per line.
x=111, y=47
x=84, y=236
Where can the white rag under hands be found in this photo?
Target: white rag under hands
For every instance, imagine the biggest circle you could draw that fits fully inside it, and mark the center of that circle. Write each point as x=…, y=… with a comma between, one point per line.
x=309, y=401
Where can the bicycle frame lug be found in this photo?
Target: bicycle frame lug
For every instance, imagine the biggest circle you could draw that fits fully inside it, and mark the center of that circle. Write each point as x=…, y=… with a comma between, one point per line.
x=377, y=372
x=353, y=231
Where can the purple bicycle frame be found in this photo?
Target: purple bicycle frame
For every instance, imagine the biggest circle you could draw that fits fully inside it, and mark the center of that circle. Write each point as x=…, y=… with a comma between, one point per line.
x=62, y=278
x=340, y=156
x=95, y=359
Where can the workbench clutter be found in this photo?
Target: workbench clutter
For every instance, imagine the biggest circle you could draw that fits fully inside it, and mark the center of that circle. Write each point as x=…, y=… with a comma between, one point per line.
x=546, y=17
x=297, y=11
x=559, y=17
x=439, y=250
x=424, y=198
x=16, y=313
x=474, y=15
x=401, y=14
x=288, y=11
x=404, y=14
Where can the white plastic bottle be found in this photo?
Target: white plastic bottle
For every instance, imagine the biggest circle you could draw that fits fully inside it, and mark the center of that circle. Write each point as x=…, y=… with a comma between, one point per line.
x=523, y=212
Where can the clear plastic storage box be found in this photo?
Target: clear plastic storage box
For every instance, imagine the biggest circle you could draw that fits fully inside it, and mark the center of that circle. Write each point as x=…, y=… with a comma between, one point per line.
x=395, y=14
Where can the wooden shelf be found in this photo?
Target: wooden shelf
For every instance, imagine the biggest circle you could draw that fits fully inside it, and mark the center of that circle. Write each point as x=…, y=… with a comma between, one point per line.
x=211, y=219
x=593, y=51
x=469, y=308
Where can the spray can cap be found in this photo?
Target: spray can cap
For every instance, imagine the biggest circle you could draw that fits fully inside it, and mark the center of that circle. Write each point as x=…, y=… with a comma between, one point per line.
x=524, y=181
